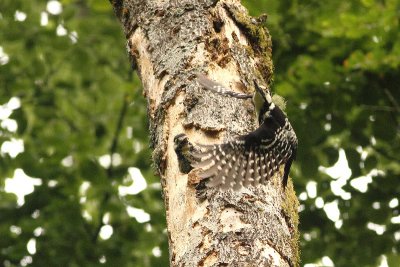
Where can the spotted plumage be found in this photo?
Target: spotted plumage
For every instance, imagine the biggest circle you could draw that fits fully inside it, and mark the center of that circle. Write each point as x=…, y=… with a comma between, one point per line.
x=253, y=158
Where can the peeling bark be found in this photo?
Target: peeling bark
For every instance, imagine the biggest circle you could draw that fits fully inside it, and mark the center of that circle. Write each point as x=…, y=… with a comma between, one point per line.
x=169, y=42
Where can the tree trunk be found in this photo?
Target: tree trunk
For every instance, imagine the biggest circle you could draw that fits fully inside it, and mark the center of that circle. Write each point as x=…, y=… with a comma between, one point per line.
x=169, y=42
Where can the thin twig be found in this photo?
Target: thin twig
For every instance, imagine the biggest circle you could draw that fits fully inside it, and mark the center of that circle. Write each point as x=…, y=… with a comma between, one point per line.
x=110, y=169
x=379, y=108
x=392, y=99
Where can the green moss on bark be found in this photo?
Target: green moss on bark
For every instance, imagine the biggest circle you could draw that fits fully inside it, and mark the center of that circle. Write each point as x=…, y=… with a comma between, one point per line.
x=290, y=207
x=259, y=38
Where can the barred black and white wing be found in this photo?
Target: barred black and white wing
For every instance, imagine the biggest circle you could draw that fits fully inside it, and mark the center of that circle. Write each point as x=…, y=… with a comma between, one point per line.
x=254, y=158
x=244, y=162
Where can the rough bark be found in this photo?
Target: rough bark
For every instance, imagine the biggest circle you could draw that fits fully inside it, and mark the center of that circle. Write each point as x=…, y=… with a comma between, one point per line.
x=169, y=42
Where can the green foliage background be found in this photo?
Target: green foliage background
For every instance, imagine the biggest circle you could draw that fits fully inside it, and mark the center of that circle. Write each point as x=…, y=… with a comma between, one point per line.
x=336, y=62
